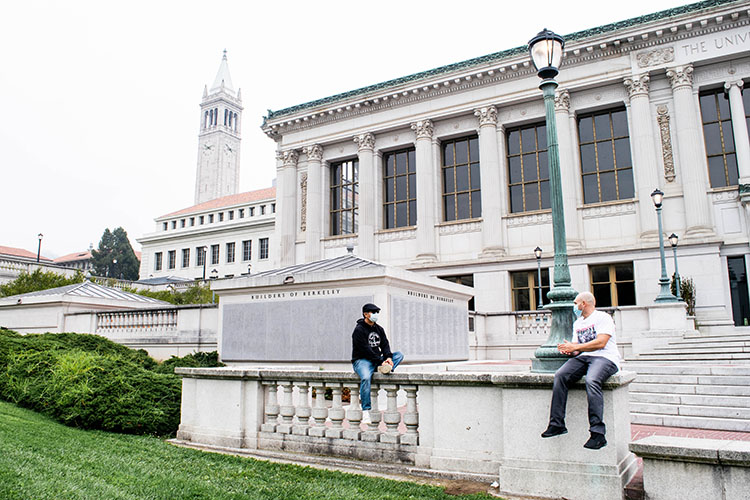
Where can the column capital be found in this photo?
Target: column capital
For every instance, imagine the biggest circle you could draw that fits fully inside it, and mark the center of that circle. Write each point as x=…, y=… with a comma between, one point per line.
x=314, y=152
x=739, y=83
x=288, y=158
x=487, y=116
x=562, y=100
x=423, y=129
x=637, y=85
x=365, y=141
x=681, y=76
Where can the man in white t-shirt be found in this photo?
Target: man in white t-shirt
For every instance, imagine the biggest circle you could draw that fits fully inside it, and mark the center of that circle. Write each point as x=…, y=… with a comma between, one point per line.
x=595, y=355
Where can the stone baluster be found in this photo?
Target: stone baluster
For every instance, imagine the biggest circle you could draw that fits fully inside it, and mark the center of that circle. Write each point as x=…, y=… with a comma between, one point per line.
x=336, y=412
x=492, y=193
x=739, y=127
x=272, y=407
x=286, y=410
x=411, y=416
x=303, y=409
x=354, y=413
x=366, y=208
x=373, y=433
x=426, y=217
x=319, y=411
x=692, y=159
x=391, y=416
x=314, y=223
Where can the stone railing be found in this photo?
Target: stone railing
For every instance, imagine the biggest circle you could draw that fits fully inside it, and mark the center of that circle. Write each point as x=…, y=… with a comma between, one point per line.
x=151, y=320
x=532, y=323
x=468, y=425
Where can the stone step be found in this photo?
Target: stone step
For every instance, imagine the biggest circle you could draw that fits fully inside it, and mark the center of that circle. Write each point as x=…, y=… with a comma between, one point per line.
x=691, y=411
x=709, y=342
x=713, y=348
x=690, y=399
x=707, y=390
x=723, y=424
x=692, y=369
x=665, y=378
x=679, y=356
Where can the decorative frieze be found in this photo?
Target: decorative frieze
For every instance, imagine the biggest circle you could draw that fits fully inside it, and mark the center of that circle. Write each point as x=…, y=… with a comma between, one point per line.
x=423, y=129
x=464, y=227
x=609, y=210
x=562, y=100
x=314, y=152
x=655, y=57
x=637, y=85
x=365, y=141
x=725, y=196
x=288, y=158
x=681, y=76
x=404, y=234
x=303, y=211
x=662, y=117
x=340, y=242
x=487, y=116
x=529, y=220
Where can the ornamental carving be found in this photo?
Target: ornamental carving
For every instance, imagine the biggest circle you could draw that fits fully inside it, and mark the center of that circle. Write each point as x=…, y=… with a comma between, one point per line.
x=637, y=85
x=404, y=234
x=365, y=141
x=529, y=220
x=288, y=158
x=466, y=227
x=562, y=100
x=725, y=196
x=681, y=76
x=655, y=57
x=423, y=129
x=487, y=116
x=662, y=117
x=303, y=212
x=314, y=152
x=608, y=210
x=339, y=242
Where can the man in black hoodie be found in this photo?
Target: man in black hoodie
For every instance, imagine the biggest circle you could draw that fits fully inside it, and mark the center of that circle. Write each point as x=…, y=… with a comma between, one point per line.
x=371, y=351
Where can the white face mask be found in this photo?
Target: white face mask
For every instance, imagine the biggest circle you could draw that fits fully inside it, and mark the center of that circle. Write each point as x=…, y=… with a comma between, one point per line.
x=577, y=311
x=374, y=317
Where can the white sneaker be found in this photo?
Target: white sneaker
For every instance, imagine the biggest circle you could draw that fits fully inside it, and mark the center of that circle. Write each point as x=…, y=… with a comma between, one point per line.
x=366, y=417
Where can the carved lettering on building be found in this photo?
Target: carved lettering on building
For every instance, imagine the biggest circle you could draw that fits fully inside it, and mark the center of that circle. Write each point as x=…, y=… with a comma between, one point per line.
x=655, y=57
x=662, y=117
x=303, y=190
x=721, y=42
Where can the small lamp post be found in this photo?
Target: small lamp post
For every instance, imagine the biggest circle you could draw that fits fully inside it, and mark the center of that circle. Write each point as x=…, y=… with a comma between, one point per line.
x=546, y=50
x=664, y=294
x=673, y=241
x=538, y=254
x=204, y=251
x=113, y=272
x=39, y=248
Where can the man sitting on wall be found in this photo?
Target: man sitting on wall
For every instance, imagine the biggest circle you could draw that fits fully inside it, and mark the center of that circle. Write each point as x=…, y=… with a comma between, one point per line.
x=371, y=351
x=596, y=356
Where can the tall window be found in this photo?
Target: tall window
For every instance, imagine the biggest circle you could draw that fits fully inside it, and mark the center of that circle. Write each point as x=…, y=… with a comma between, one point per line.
x=461, y=181
x=263, y=248
x=400, y=189
x=262, y=210
x=230, y=252
x=172, y=259
x=613, y=284
x=606, y=166
x=251, y=211
x=525, y=286
x=185, y=257
x=200, y=256
x=344, y=197
x=214, y=254
x=157, y=261
x=528, y=168
x=717, y=132
x=462, y=279
x=247, y=250
x=738, y=290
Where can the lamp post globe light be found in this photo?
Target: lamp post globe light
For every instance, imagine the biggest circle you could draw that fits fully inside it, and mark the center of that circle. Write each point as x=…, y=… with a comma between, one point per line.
x=673, y=241
x=546, y=50
x=665, y=295
x=39, y=248
x=538, y=255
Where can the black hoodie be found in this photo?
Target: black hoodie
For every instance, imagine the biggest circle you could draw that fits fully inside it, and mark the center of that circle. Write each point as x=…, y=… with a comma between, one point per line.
x=369, y=342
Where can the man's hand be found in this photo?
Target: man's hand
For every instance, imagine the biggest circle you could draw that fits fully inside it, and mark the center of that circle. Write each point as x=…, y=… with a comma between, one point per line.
x=568, y=348
x=388, y=361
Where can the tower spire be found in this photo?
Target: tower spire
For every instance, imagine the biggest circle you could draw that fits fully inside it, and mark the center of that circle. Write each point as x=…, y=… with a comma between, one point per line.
x=223, y=79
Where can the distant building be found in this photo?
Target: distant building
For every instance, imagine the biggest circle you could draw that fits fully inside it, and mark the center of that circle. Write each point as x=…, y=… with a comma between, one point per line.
x=14, y=261
x=77, y=260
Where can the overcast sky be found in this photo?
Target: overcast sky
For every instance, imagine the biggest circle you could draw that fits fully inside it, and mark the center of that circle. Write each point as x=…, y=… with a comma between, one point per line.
x=99, y=100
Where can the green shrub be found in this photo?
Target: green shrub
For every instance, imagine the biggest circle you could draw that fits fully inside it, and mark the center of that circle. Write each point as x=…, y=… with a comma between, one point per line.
x=196, y=360
x=38, y=280
x=195, y=294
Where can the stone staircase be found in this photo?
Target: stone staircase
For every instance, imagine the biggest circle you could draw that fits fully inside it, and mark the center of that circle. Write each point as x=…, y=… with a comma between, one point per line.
x=699, y=381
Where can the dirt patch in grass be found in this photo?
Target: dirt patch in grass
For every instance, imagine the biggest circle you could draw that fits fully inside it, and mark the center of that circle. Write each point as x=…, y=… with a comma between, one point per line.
x=462, y=487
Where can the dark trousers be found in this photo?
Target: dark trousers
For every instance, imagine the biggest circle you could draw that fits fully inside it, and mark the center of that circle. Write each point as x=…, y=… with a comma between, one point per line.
x=597, y=369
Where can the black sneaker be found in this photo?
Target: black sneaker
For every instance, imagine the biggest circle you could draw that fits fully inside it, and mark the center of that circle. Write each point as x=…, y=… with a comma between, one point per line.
x=596, y=441
x=554, y=430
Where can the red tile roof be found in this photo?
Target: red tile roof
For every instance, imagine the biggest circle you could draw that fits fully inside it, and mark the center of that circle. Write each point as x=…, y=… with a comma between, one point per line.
x=74, y=256
x=20, y=252
x=227, y=201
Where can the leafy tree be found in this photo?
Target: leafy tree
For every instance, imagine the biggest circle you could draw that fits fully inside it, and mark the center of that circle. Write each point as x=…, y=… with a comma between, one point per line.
x=196, y=294
x=115, y=257
x=38, y=280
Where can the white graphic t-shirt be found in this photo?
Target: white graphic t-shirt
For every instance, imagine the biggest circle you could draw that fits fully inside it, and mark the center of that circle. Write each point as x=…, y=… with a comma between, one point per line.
x=586, y=330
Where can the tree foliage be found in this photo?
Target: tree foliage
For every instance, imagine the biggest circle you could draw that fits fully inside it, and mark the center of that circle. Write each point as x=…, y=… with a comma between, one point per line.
x=196, y=294
x=38, y=280
x=115, y=257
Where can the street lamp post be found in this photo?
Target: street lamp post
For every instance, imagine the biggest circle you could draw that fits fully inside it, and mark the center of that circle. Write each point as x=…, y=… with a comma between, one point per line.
x=673, y=241
x=664, y=294
x=39, y=248
x=538, y=254
x=204, y=251
x=113, y=274
x=546, y=50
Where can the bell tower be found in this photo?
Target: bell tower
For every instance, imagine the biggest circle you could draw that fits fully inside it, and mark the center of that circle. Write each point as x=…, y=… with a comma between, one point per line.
x=218, y=172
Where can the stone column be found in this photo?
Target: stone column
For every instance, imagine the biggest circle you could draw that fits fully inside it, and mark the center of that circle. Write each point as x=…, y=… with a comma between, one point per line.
x=692, y=159
x=425, y=193
x=739, y=126
x=366, y=209
x=313, y=222
x=489, y=167
x=286, y=198
x=645, y=166
x=568, y=172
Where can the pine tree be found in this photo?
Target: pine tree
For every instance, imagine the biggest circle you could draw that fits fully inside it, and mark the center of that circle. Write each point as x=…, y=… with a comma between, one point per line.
x=115, y=257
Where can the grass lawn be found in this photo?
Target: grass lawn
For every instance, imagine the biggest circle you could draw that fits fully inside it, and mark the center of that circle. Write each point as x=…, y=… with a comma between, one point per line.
x=41, y=459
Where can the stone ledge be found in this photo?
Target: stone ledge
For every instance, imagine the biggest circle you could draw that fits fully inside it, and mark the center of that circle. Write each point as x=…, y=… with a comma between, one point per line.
x=682, y=449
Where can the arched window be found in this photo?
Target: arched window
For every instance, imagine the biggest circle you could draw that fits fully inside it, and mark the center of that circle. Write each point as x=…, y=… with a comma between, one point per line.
x=226, y=117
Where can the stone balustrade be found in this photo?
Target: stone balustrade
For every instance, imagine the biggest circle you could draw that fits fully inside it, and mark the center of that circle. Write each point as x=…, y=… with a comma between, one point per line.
x=151, y=320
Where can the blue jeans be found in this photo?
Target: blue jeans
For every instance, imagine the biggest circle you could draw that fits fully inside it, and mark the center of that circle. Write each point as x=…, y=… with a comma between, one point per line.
x=364, y=368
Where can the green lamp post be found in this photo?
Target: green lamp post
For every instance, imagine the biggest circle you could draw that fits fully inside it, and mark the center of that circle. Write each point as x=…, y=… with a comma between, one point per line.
x=546, y=50
x=665, y=295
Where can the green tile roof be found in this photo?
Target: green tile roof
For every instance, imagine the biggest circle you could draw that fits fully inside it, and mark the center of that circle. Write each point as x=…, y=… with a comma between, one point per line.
x=496, y=56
